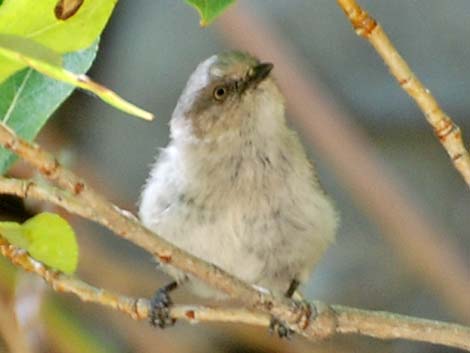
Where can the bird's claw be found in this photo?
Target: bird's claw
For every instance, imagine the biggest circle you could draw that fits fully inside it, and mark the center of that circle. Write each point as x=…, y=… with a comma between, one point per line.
x=279, y=328
x=160, y=308
x=306, y=312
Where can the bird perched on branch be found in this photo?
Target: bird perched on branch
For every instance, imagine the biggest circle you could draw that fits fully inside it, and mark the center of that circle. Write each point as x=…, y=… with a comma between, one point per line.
x=234, y=186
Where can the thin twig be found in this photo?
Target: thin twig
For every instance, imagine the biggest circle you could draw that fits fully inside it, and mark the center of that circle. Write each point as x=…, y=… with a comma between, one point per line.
x=28, y=188
x=341, y=319
x=445, y=129
x=136, y=308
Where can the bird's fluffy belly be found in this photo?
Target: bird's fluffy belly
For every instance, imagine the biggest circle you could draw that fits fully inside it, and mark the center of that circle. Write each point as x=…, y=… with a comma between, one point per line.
x=265, y=229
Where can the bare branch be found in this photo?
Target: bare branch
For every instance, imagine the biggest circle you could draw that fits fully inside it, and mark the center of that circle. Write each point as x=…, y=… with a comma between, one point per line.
x=384, y=325
x=340, y=319
x=136, y=308
x=445, y=129
x=44, y=192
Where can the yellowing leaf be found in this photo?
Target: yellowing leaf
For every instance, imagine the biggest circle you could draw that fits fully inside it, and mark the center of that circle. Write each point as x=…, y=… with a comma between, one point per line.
x=36, y=20
x=47, y=237
x=14, y=233
x=52, y=241
x=209, y=9
x=43, y=61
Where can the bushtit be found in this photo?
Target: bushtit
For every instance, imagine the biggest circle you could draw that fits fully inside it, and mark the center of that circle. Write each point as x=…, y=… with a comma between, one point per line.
x=234, y=185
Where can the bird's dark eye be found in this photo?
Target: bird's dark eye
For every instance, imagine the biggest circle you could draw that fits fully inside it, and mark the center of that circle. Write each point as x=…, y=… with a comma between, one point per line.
x=219, y=93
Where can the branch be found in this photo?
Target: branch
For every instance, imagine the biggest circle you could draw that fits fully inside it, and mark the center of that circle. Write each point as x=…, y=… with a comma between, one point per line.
x=445, y=129
x=337, y=319
x=136, y=308
x=27, y=188
x=79, y=198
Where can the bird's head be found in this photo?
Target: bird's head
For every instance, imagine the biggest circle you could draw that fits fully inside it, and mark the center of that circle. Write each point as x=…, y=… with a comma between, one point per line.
x=228, y=94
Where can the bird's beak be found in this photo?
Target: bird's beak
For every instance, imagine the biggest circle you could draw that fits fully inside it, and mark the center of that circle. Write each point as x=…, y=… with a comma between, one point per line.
x=259, y=73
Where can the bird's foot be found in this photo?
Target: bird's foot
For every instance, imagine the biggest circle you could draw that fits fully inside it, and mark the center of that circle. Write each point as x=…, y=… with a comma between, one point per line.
x=279, y=328
x=160, y=304
x=305, y=311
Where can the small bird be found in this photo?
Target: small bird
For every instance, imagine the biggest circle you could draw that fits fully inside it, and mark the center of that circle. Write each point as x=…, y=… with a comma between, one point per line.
x=234, y=185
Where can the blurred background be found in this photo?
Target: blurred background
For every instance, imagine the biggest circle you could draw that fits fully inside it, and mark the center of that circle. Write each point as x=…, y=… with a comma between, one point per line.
x=404, y=240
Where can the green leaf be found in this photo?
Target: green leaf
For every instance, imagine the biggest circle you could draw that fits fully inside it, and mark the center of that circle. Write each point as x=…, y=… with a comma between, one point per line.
x=47, y=237
x=15, y=234
x=209, y=9
x=28, y=98
x=36, y=20
x=52, y=241
x=47, y=62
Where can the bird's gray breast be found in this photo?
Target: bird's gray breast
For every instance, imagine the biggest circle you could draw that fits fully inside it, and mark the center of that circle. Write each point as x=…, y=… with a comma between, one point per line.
x=253, y=211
